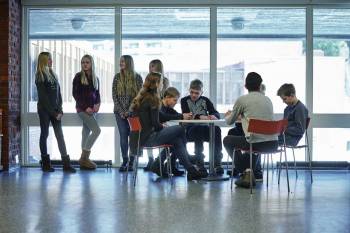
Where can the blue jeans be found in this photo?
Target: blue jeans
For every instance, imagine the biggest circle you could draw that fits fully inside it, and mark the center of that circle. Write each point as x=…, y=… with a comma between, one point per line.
x=45, y=119
x=124, y=132
x=173, y=135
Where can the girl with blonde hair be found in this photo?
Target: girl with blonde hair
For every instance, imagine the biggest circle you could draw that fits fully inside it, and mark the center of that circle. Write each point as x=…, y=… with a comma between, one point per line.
x=126, y=85
x=87, y=96
x=50, y=110
x=146, y=106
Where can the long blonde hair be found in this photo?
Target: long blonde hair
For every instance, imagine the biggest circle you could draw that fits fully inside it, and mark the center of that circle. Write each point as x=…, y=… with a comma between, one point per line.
x=149, y=92
x=126, y=79
x=83, y=78
x=160, y=69
x=43, y=69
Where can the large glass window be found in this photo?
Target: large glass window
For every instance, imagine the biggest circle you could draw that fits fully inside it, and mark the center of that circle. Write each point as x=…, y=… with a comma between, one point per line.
x=68, y=34
x=179, y=37
x=264, y=40
x=331, y=61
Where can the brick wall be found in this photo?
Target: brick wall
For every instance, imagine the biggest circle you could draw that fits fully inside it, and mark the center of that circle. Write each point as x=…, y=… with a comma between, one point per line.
x=10, y=79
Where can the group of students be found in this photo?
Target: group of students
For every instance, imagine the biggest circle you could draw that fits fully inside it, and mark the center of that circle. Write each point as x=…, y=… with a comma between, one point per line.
x=153, y=101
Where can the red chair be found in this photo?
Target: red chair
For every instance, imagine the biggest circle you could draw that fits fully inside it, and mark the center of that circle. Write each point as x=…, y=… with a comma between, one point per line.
x=257, y=126
x=307, y=150
x=136, y=127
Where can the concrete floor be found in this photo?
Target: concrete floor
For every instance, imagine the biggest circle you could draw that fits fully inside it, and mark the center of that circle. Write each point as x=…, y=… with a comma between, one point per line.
x=103, y=201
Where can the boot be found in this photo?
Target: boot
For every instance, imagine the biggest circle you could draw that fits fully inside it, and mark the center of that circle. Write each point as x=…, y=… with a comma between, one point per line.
x=149, y=164
x=131, y=164
x=124, y=165
x=193, y=174
x=46, y=164
x=84, y=161
x=67, y=167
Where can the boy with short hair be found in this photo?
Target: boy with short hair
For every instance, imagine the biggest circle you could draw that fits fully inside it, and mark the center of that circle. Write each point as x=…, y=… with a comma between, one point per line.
x=202, y=108
x=295, y=112
x=167, y=113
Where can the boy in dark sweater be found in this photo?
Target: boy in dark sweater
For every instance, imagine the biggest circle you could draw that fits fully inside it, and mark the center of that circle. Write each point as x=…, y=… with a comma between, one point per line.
x=202, y=108
x=167, y=113
x=295, y=112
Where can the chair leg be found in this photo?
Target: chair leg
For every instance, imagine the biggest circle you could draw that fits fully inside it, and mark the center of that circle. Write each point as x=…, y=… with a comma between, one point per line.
x=279, y=168
x=295, y=164
x=160, y=163
x=232, y=167
x=263, y=166
x=272, y=162
x=136, y=165
x=251, y=168
x=170, y=172
x=267, y=170
x=310, y=162
x=285, y=157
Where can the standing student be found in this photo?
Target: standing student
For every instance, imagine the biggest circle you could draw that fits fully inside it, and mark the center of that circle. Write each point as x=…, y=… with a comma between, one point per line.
x=50, y=110
x=146, y=106
x=156, y=66
x=202, y=108
x=126, y=85
x=87, y=96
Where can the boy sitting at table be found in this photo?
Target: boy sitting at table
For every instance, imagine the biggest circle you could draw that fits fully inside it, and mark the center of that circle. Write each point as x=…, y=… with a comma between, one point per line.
x=202, y=108
x=167, y=113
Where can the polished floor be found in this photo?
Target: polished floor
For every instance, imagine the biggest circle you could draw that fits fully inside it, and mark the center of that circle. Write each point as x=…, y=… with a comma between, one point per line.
x=103, y=201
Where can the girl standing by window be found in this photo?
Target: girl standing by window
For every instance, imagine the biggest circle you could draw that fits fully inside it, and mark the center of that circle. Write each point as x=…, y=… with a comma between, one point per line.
x=50, y=110
x=126, y=85
x=87, y=96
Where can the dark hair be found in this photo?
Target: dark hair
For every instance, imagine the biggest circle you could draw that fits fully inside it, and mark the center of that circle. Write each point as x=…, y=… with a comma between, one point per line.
x=196, y=84
x=286, y=89
x=253, y=81
x=171, y=92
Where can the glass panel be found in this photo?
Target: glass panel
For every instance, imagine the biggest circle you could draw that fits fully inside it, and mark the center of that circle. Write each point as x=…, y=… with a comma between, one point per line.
x=103, y=148
x=179, y=37
x=68, y=34
x=331, y=61
x=328, y=147
x=268, y=41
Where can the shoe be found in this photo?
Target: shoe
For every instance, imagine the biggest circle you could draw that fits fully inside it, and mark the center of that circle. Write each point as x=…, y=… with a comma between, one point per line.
x=244, y=180
x=123, y=167
x=203, y=172
x=258, y=176
x=67, y=167
x=155, y=167
x=193, y=174
x=149, y=164
x=174, y=170
x=131, y=164
x=235, y=172
x=84, y=161
x=46, y=164
x=219, y=171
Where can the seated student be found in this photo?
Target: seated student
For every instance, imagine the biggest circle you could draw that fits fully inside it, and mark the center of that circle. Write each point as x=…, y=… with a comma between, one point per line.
x=202, y=108
x=252, y=105
x=295, y=112
x=167, y=113
x=146, y=107
x=241, y=161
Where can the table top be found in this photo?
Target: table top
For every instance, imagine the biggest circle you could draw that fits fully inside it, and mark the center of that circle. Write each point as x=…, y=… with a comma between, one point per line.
x=198, y=121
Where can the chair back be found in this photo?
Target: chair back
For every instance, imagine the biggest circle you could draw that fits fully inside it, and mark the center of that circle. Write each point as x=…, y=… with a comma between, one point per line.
x=135, y=124
x=267, y=127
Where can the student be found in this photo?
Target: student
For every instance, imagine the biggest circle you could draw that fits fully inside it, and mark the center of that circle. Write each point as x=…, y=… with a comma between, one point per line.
x=295, y=112
x=202, y=108
x=156, y=66
x=252, y=105
x=87, y=96
x=50, y=110
x=126, y=85
x=146, y=106
x=168, y=113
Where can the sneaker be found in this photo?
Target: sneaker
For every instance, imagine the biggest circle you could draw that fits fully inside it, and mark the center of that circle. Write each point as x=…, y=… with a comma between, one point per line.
x=155, y=167
x=219, y=171
x=244, y=180
x=203, y=172
x=123, y=167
